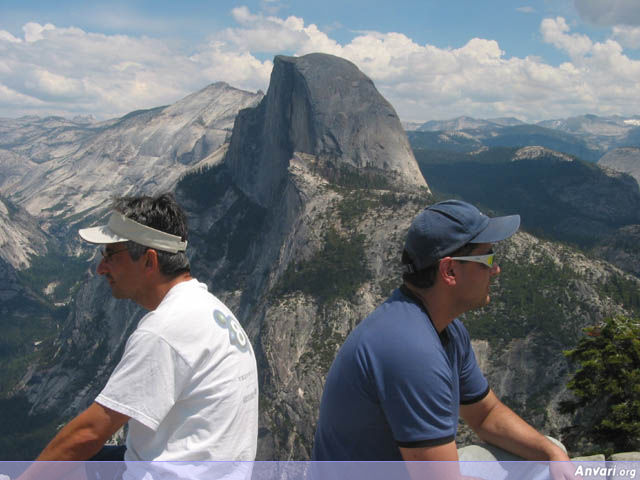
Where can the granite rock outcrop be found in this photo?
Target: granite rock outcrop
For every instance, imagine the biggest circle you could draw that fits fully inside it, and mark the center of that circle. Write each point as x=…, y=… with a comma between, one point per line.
x=323, y=106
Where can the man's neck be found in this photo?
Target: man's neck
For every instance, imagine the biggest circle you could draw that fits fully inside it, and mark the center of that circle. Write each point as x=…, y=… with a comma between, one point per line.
x=159, y=289
x=436, y=304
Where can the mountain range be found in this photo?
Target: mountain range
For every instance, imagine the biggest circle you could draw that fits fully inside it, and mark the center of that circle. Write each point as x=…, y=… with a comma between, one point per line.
x=588, y=137
x=298, y=202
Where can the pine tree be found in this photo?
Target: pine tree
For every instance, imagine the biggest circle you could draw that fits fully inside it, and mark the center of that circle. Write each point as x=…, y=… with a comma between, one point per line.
x=606, y=385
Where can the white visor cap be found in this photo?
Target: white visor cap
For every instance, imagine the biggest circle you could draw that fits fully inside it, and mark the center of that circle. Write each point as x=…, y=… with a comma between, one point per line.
x=121, y=229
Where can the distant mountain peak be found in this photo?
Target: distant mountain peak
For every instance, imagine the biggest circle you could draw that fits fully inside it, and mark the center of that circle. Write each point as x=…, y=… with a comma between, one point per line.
x=461, y=123
x=320, y=105
x=528, y=153
x=590, y=124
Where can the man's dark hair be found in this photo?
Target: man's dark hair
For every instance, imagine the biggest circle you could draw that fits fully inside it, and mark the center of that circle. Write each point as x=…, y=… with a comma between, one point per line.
x=162, y=213
x=426, y=277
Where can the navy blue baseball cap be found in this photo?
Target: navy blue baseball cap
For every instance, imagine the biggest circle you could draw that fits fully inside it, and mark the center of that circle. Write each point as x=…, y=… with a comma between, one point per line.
x=444, y=227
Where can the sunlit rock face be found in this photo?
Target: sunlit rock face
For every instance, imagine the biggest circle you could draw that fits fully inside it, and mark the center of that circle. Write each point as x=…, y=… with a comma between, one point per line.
x=323, y=106
x=74, y=168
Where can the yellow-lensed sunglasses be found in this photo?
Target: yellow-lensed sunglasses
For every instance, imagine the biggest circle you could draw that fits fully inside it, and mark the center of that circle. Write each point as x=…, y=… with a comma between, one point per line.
x=486, y=260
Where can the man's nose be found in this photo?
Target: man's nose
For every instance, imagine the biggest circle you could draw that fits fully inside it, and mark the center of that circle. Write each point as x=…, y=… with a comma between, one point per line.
x=495, y=269
x=102, y=267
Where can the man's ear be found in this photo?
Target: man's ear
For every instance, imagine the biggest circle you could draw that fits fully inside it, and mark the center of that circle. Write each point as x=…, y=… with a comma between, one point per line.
x=447, y=272
x=151, y=260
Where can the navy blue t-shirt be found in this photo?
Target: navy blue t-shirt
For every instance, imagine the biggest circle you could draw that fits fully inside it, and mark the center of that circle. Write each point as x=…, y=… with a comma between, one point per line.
x=396, y=382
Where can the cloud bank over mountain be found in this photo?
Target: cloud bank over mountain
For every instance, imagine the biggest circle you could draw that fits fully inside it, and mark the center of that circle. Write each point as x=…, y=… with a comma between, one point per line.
x=68, y=71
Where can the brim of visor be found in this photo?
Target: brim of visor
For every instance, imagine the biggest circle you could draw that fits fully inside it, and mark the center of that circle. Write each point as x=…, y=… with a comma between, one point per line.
x=102, y=234
x=499, y=228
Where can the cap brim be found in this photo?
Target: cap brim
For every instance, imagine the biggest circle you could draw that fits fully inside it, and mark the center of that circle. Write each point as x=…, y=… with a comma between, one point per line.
x=102, y=234
x=499, y=228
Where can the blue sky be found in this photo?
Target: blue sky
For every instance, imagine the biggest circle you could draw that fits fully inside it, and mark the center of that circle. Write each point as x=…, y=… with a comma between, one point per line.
x=431, y=59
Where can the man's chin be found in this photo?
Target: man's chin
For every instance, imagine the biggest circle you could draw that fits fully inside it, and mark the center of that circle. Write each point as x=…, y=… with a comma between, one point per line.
x=115, y=293
x=484, y=303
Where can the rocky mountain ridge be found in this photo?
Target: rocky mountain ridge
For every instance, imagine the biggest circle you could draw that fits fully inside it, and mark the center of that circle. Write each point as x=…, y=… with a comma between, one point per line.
x=588, y=137
x=533, y=152
x=466, y=123
x=614, y=127
x=65, y=170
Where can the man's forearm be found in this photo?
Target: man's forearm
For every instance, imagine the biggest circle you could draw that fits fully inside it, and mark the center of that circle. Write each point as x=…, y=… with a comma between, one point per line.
x=503, y=428
x=72, y=443
x=85, y=435
x=79, y=440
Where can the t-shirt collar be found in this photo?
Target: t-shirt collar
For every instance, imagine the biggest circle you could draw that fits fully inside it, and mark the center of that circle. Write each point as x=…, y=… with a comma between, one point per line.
x=443, y=335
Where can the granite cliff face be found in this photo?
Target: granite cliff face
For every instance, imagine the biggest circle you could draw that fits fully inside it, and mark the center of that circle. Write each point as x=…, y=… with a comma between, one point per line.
x=299, y=275
x=300, y=165
x=20, y=236
x=323, y=106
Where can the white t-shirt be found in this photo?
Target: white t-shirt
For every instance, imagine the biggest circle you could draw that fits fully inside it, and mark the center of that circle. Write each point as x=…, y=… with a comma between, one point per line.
x=189, y=382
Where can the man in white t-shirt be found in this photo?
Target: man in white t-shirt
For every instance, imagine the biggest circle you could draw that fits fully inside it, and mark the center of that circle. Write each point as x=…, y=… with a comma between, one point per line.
x=187, y=381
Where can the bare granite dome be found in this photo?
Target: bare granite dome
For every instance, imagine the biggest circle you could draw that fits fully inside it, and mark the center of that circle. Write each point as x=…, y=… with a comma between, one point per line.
x=323, y=106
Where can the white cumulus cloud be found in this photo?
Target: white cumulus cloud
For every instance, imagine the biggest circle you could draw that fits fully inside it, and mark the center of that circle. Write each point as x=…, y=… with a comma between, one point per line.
x=34, y=31
x=7, y=37
x=269, y=34
x=555, y=31
x=69, y=71
x=627, y=36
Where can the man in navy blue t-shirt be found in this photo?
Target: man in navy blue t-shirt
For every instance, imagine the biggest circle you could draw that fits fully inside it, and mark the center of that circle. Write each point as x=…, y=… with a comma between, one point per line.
x=406, y=372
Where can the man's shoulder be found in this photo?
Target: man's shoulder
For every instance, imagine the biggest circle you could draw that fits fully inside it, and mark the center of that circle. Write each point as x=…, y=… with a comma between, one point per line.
x=398, y=316
x=397, y=330
x=398, y=308
x=185, y=289
x=187, y=298
x=187, y=312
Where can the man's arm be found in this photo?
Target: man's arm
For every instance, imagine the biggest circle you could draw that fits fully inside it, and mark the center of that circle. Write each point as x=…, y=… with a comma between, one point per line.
x=439, y=453
x=497, y=424
x=80, y=439
x=85, y=435
x=443, y=462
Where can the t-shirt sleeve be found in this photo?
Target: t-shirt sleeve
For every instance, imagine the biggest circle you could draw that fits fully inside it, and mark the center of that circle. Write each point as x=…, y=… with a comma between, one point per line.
x=415, y=392
x=148, y=380
x=473, y=385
